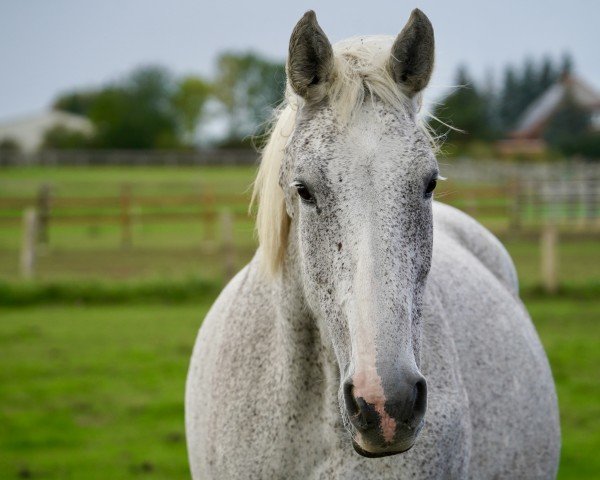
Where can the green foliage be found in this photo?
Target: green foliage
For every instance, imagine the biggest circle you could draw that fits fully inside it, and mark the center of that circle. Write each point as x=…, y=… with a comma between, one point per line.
x=150, y=109
x=63, y=138
x=485, y=113
x=248, y=87
x=466, y=109
x=10, y=145
x=547, y=74
x=78, y=103
x=136, y=113
x=510, y=103
x=586, y=145
x=102, y=292
x=190, y=289
x=522, y=85
x=567, y=64
x=569, y=131
x=189, y=101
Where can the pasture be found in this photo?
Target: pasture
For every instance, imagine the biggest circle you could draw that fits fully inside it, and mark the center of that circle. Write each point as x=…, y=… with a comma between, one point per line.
x=96, y=392
x=94, y=389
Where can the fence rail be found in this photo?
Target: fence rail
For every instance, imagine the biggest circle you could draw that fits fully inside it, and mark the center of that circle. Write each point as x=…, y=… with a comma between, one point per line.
x=534, y=200
x=567, y=202
x=497, y=172
x=129, y=157
x=524, y=203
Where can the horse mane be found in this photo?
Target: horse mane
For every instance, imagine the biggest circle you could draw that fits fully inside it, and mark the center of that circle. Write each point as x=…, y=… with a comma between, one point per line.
x=360, y=71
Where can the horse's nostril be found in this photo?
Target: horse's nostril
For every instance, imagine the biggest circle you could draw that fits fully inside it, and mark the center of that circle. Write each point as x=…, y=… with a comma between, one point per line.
x=405, y=406
x=351, y=406
x=361, y=414
x=420, y=392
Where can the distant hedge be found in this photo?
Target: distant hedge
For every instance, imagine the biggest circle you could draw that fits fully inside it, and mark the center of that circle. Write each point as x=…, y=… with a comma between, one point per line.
x=576, y=291
x=93, y=293
x=186, y=290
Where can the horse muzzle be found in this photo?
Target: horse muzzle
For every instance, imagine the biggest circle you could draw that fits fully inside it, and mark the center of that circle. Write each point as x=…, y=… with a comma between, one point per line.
x=386, y=424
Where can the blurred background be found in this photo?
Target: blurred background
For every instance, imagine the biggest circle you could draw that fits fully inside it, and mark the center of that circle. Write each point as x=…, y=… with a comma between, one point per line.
x=128, y=136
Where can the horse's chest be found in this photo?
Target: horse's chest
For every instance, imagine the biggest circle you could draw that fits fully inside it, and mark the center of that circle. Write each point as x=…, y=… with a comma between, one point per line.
x=276, y=427
x=271, y=434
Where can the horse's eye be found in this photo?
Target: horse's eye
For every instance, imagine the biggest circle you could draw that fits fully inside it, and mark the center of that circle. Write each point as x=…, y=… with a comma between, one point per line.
x=303, y=192
x=430, y=187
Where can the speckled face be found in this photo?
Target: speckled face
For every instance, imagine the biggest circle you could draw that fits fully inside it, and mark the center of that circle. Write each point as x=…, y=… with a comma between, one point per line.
x=359, y=196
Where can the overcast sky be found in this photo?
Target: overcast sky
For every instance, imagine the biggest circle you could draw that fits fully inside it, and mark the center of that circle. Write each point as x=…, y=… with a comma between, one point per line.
x=51, y=46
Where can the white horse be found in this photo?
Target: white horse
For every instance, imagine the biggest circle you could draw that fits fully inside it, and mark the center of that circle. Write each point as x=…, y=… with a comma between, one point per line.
x=371, y=321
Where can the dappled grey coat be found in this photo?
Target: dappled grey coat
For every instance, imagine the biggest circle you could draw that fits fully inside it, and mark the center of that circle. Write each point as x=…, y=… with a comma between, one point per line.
x=376, y=334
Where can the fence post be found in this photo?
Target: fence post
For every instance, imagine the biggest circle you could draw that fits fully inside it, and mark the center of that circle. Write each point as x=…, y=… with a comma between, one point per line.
x=209, y=204
x=227, y=241
x=471, y=203
x=548, y=247
x=43, y=209
x=125, y=199
x=29, y=243
x=591, y=200
x=514, y=189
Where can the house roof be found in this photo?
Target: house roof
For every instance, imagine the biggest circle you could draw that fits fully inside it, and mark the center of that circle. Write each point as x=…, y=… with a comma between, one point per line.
x=540, y=110
x=29, y=131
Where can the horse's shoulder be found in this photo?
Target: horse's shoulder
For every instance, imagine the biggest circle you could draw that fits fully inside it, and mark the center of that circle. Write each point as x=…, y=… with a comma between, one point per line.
x=247, y=297
x=480, y=242
x=230, y=362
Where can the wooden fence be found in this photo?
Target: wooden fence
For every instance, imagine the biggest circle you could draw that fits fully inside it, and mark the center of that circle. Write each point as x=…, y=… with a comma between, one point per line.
x=120, y=209
x=572, y=203
x=526, y=204
x=543, y=207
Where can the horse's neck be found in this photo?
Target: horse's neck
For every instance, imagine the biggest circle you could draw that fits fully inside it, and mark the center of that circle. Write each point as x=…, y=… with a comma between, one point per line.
x=297, y=329
x=306, y=355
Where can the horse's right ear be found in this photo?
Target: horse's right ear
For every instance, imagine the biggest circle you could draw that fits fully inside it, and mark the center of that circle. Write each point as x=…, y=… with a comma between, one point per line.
x=411, y=60
x=310, y=59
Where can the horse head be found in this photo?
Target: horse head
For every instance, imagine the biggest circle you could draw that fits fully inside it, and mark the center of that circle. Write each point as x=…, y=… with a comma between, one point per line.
x=356, y=178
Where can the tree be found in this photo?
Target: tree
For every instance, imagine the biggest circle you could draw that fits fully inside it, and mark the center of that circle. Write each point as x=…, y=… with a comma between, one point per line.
x=248, y=87
x=189, y=101
x=567, y=63
x=509, y=106
x=547, y=74
x=569, y=131
x=150, y=109
x=466, y=109
x=9, y=145
x=63, y=138
x=523, y=85
x=78, y=103
x=136, y=113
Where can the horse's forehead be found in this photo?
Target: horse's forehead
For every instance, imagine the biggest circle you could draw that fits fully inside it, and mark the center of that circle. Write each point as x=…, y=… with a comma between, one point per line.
x=316, y=129
x=375, y=134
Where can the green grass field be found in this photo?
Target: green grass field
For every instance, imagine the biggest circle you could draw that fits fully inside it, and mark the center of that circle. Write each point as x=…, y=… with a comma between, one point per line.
x=94, y=393
x=92, y=364
x=97, y=392
x=92, y=180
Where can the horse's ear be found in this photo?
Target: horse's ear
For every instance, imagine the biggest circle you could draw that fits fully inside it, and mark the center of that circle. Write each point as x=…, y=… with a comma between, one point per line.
x=411, y=62
x=310, y=59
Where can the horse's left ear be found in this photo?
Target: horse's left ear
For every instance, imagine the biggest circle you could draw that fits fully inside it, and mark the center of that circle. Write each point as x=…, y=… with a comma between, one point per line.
x=310, y=59
x=411, y=61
